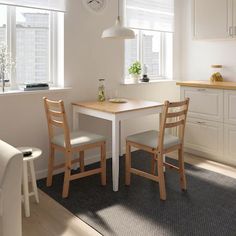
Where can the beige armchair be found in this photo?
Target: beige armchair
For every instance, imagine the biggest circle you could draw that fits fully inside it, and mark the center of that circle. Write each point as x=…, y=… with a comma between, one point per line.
x=11, y=161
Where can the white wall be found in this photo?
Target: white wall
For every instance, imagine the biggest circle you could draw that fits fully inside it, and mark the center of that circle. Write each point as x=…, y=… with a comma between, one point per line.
x=198, y=56
x=87, y=58
x=23, y=122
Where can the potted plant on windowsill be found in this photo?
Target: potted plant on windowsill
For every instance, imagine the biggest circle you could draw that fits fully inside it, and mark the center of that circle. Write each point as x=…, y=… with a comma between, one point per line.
x=135, y=71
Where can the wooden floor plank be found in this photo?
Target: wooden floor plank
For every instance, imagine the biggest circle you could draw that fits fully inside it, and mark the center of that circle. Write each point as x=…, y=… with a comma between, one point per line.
x=49, y=218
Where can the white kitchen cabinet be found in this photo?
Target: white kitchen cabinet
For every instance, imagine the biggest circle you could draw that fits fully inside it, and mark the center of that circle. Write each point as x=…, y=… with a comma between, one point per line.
x=230, y=107
x=233, y=12
x=211, y=124
x=214, y=19
x=230, y=143
x=204, y=136
x=205, y=103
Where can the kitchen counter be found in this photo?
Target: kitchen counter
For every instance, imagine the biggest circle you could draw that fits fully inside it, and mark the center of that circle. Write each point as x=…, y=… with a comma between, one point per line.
x=208, y=84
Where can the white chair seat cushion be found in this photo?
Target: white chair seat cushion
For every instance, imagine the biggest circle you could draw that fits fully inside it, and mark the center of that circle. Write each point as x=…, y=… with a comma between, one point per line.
x=78, y=138
x=151, y=139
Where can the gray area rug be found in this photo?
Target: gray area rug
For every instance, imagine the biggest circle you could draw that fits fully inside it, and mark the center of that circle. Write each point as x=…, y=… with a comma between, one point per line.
x=207, y=208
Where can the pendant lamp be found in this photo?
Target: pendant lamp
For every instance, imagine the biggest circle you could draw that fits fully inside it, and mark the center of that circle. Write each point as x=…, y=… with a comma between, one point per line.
x=117, y=31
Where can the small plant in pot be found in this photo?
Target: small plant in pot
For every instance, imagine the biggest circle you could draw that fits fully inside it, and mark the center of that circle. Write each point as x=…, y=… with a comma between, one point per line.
x=135, y=71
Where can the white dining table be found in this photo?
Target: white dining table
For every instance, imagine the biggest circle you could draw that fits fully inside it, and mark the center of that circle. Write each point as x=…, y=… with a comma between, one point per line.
x=116, y=113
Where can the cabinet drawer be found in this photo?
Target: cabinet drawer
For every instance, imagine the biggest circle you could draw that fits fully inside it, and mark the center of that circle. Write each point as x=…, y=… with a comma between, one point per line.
x=204, y=103
x=229, y=106
x=229, y=143
x=204, y=136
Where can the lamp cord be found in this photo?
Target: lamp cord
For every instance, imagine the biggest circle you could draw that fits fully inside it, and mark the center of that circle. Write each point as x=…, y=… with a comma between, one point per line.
x=118, y=15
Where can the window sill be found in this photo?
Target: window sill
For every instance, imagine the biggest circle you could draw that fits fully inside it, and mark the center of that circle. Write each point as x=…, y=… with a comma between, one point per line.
x=9, y=92
x=126, y=82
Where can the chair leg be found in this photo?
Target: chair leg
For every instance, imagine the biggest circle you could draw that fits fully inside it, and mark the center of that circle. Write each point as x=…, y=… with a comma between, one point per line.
x=183, y=183
x=103, y=164
x=33, y=178
x=153, y=164
x=161, y=177
x=67, y=175
x=127, y=164
x=81, y=161
x=50, y=166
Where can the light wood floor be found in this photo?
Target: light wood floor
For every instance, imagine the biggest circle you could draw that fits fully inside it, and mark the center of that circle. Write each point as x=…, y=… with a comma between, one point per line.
x=48, y=218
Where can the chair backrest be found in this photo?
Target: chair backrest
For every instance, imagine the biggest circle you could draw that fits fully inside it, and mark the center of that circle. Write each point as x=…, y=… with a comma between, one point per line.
x=174, y=115
x=56, y=119
x=11, y=161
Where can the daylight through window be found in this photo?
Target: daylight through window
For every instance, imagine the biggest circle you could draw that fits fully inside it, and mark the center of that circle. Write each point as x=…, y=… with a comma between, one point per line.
x=152, y=21
x=32, y=39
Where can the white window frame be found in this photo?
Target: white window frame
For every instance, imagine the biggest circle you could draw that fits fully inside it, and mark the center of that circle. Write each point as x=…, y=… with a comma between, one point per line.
x=162, y=66
x=56, y=48
x=163, y=75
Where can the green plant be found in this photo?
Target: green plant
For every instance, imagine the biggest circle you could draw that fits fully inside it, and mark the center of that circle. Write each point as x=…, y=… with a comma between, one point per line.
x=135, y=68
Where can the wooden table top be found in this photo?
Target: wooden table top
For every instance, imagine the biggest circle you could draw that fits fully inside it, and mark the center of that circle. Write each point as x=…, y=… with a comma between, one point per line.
x=209, y=84
x=115, y=108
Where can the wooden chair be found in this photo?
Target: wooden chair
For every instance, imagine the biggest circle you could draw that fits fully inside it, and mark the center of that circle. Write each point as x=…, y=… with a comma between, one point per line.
x=70, y=143
x=159, y=144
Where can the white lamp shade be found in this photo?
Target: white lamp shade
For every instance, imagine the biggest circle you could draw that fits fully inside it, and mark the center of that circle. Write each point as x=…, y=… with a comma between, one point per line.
x=118, y=32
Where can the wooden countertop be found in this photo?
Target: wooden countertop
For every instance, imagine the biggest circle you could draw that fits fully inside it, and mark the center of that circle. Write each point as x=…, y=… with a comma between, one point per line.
x=208, y=84
x=115, y=108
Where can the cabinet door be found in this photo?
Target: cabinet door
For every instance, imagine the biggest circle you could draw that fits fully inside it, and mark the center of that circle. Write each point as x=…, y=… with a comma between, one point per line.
x=211, y=19
x=204, y=103
x=229, y=144
x=229, y=106
x=233, y=12
x=204, y=136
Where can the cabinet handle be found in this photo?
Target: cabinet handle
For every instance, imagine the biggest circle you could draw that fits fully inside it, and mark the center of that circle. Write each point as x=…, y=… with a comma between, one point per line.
x=201, y=122
x=234, y=30
x=201, y=90
x=231, y=31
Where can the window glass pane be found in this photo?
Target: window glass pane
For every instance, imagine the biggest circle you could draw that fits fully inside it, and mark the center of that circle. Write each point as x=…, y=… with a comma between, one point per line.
x=32, y=45
x=131, y=53
x=3, y=24
x=168, y=50
x=152, y=52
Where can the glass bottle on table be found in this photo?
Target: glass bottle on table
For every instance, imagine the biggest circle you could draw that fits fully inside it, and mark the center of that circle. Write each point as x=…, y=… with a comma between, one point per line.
x=101, y=91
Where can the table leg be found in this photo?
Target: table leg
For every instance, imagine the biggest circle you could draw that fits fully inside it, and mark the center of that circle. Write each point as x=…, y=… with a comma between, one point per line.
x=75, y=124
x=115, y=154
x=164, y=160
x=75, y=120
x=34, y=184
x=120, y=143
x=164, y=156
x=26, y=189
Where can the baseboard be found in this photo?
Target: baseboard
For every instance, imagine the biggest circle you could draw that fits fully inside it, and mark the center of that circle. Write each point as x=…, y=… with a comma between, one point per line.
x=88, y=160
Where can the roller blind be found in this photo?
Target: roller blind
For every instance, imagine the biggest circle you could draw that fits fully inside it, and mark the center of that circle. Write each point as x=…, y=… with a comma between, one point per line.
x=52, y=5
x=149, y=14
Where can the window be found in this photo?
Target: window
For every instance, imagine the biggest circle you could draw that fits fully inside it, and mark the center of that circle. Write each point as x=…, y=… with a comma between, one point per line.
x=3, y=24
x=152, y=21
x=32, y=45
x=32, y=36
